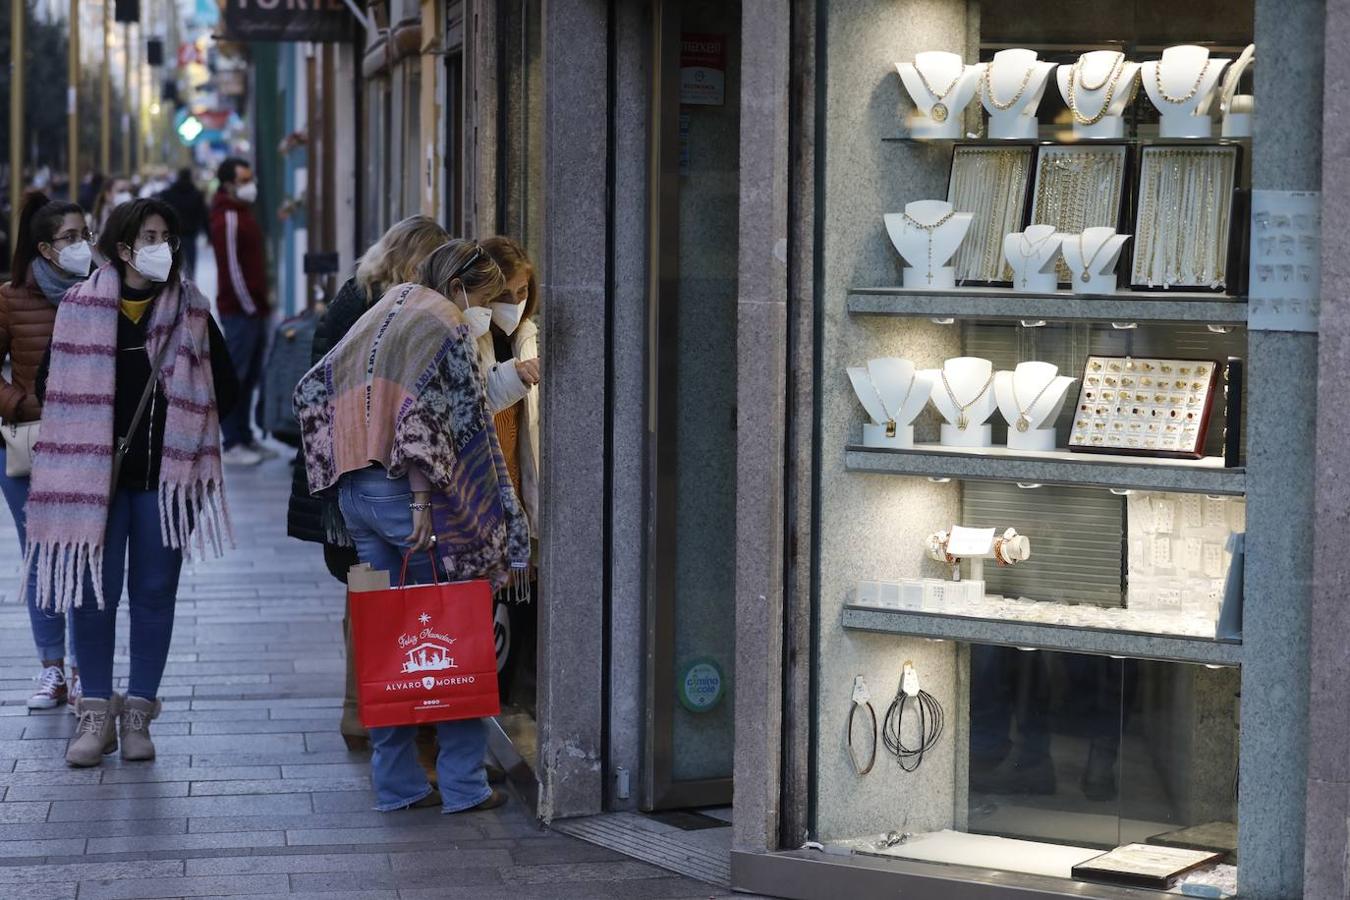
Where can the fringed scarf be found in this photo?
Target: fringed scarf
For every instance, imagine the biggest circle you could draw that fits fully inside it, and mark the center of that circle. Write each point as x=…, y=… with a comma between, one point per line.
x=71, y=483
x=403, y=388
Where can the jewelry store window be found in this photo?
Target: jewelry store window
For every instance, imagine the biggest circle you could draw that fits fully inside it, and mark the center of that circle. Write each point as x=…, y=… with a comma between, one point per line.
x=1034, y=270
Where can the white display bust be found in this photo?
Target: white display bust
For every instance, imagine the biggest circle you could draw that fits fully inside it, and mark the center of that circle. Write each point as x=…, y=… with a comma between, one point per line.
x=971, y=381
x=894, y=393
x=1114, y=78
x=927, y=249
x=1030, y=399
x=1032, y=254
x=950, y=87
x=1011, y=87
x=1236, y=108
x=1189, y=76
x=1093, y=254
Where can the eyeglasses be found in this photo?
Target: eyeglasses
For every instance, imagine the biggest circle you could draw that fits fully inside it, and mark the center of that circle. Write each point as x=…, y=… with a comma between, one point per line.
x=478, y=253
x=151, y=238
x=71, y=236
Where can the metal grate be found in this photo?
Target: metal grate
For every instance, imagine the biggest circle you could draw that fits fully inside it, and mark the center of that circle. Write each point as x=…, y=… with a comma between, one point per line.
x=704, y=855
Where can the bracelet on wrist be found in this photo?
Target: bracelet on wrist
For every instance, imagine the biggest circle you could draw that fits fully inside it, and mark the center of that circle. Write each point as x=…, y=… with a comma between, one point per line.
x=419, y=507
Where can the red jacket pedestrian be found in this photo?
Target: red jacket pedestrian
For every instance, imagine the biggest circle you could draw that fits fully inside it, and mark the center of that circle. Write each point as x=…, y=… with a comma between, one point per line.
x=241, y=270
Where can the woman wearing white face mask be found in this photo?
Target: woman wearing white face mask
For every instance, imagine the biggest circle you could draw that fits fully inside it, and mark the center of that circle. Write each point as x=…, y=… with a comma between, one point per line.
x=51, y=255
x=511, y=353
x=127, y=477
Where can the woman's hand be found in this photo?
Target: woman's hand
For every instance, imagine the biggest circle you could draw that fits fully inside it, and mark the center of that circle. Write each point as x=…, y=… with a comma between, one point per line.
x=528, y=370
x=422, y=536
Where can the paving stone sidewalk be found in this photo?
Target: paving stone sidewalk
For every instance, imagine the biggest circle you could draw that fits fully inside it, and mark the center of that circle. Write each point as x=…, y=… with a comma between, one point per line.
x=254, y=793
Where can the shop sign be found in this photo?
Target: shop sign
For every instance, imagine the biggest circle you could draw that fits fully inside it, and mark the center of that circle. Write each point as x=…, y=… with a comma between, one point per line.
x=320, y=21
x=700, y=686
x=703, y=69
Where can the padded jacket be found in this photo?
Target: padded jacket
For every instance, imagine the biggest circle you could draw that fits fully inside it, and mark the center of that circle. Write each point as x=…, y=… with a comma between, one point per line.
x=27, y=318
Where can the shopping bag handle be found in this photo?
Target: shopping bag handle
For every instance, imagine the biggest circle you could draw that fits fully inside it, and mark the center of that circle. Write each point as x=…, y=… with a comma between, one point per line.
x=407, y=557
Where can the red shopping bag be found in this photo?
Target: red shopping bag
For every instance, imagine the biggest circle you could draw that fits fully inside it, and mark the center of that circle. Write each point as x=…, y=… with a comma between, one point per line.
x=424, y=653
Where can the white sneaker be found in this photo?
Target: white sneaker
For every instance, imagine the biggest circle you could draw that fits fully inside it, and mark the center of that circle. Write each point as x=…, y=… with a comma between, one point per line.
x=264, y=451
x=74, y=694
x=51, y=691
x=239, y=455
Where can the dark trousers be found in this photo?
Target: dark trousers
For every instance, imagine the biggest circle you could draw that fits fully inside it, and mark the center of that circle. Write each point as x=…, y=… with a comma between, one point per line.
x=246, y=338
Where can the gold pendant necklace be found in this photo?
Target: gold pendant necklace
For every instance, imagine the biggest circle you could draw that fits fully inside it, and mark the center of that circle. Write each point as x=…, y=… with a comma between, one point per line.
x=1023, y=423
x=963, y=420
x=890, y=416
x=938, y=112
x=1029, y=254
x=1087, y=263
x=910, y=220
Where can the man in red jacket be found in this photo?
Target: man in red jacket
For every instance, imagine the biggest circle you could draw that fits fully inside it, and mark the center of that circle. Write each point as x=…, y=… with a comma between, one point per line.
x=241, y=301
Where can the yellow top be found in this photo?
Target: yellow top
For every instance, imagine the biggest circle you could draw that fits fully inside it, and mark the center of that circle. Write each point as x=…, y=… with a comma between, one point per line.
x=134, y=309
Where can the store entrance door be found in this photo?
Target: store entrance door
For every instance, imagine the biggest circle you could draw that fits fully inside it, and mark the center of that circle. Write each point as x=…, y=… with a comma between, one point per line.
x=692, y=358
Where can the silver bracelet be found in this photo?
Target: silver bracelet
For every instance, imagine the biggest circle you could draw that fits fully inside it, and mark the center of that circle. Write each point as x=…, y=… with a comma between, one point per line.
x=419, y=507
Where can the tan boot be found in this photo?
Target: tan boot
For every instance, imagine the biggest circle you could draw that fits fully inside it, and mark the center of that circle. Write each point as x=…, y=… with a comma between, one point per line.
x=135, y=728
x=96, y=731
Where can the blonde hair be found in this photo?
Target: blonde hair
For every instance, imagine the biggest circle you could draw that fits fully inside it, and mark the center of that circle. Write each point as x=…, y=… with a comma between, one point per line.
x=465, y=261
x=396, y=258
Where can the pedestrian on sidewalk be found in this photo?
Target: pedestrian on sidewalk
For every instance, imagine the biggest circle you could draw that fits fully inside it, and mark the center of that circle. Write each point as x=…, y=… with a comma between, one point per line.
x=51, y=256
x=116, y=190
x=426, y=430
x=395, y=258
x=186, y=200
x=127, y=477
x=241, y=300
x=513, y=345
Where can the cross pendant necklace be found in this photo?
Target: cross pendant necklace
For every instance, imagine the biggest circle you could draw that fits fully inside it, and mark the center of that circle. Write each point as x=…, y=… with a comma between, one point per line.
x=929, y=229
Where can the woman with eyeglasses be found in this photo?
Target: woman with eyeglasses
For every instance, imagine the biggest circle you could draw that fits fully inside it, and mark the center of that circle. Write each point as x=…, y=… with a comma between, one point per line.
x=393, y=419
x=127, y=475
x=51, y=255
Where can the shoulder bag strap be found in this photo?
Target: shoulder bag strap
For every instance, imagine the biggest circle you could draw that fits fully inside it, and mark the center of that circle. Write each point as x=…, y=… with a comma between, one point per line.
x=124, y=441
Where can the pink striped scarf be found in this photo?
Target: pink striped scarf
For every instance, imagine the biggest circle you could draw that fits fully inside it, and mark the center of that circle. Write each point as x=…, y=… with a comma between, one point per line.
x=72, y=465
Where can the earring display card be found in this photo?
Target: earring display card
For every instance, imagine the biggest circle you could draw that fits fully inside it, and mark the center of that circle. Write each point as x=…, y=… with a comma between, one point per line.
x=1144, y=407
x=990, y=182
x=1077, y=188
x=1183, y=228
x=1179, y=552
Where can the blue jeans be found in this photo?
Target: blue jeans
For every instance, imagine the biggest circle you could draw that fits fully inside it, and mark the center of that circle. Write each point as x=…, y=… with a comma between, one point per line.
x=134, y=546
x=375, y=508
x=245, y=338
x=49, y=627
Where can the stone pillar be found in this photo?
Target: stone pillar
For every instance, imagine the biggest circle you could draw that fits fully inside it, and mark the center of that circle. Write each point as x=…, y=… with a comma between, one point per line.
x=761, y=404
x=1328, y=792
x=1286, y=155
x=573, y=397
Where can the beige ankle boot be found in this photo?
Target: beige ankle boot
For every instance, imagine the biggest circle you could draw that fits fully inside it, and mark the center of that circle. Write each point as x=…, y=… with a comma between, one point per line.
x=135, y=728
x=96, y=731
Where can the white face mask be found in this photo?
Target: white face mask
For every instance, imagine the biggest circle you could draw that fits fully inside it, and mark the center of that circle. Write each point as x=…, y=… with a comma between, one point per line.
x=479, y=319
x=122, y=197
x=76, y=259
x=154, y=262
x=507, y=316
x=247, y=192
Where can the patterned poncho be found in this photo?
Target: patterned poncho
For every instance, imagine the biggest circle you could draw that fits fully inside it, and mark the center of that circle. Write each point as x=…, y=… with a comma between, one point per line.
x=403, y=388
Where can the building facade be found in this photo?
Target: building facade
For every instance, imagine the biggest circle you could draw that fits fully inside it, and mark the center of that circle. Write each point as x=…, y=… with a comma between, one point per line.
x=731, y=541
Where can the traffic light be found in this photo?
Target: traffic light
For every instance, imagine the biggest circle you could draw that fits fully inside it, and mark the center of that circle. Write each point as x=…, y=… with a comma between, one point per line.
x=127, y=10
x=154, y=52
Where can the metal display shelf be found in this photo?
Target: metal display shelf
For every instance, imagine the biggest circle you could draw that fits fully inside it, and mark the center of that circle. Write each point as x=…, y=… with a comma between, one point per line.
x=1005, y=304
x=1068, y=638
x=1143, y=473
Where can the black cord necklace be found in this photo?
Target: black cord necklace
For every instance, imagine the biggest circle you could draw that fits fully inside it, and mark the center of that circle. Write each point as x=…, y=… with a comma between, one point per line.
x=931, y=722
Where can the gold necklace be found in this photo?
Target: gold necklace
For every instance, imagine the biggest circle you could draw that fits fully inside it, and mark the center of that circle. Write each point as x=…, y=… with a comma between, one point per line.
x=1032, y=253
x=1111, y=80
x=938, y=112
x=988, y=87
x=1087, y=263
x=910, y=220
x=1162, y=91
x=890, y=416
x=1023, y=422
x=963, y=420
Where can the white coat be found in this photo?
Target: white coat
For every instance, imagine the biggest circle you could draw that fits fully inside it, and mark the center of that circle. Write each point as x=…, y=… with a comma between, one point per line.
x=504, y=390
